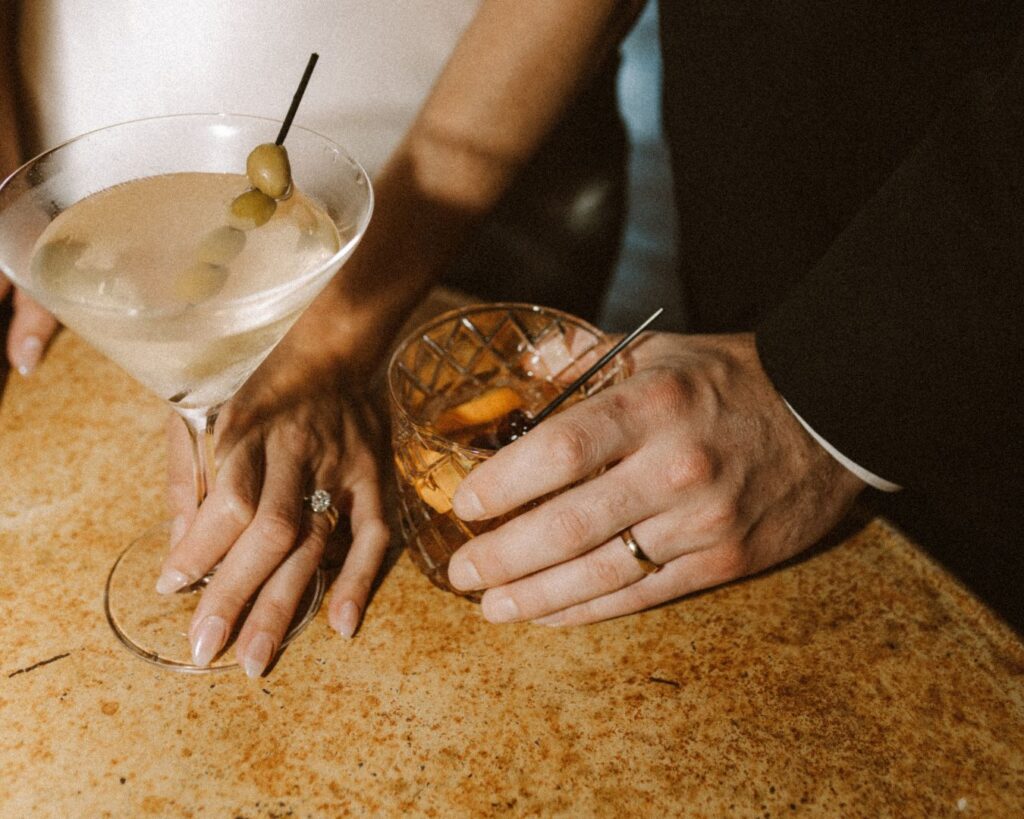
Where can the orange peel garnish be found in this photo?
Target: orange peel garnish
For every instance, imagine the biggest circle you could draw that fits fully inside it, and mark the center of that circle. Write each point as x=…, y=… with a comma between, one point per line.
x=490, y=406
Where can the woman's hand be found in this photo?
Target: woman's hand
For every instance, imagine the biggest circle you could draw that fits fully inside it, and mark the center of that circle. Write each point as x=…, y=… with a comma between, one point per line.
x=289, y=431
x=31, y=329
x=703, y=462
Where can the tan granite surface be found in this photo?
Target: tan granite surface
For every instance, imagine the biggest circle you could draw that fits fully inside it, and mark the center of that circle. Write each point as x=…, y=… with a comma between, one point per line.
x=861, y=681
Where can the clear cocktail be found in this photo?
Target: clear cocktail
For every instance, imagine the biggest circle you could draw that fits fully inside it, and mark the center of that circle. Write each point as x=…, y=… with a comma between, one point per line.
x=182, y=301
x=125, y=235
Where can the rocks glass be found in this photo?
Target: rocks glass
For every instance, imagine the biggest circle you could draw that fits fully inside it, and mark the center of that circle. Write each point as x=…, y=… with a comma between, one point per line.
x=450, y=383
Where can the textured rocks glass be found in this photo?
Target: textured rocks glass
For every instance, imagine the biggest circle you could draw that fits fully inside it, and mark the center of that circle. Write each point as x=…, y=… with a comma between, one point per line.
x=448, y=384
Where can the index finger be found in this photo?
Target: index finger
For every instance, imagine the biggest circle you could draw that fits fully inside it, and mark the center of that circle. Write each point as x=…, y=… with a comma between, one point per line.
x=556, y=453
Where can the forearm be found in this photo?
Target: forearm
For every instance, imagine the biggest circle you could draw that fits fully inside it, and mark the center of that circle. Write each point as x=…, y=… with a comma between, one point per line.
x=505, y=86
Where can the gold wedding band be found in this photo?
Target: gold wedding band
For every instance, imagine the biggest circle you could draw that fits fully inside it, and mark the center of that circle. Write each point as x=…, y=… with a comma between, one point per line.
x=646, y=564
x=320, y=503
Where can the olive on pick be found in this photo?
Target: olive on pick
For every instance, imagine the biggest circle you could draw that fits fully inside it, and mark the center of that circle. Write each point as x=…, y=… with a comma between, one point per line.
x=268, y=170
x=250, y=210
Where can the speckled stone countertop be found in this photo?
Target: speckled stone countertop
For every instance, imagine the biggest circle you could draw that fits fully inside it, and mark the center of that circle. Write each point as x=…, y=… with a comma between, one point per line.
x=858, y=681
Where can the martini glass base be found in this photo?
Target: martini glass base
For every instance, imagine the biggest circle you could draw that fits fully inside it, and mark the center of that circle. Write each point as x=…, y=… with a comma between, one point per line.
x=155, y=626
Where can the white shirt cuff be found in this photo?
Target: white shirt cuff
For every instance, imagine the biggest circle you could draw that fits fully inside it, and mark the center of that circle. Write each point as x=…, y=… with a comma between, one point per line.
x=870, y=478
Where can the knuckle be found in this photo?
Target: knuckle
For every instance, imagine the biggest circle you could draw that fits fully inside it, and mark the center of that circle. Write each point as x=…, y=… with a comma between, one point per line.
x=227, y=602
x=276, y=531
x=276, y=612
x=574, y=447
x=240, y=506
x=668, y=392
x=613, y=405
x=718, y=515
x=692, y=468
x=571, y=527
x=610, y=574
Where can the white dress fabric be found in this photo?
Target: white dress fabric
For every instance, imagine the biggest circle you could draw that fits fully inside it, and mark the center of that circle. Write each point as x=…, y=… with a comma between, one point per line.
x=86, y=64
x=90, y=63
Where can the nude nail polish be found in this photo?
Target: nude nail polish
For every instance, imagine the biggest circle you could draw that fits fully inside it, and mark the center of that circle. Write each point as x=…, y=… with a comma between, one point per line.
x=209, y=639
x=170, y=581
x=467, y=505
x=258, y=655
x=500, y=610
x=27, y=356
x=462, y=574
x=346, y=620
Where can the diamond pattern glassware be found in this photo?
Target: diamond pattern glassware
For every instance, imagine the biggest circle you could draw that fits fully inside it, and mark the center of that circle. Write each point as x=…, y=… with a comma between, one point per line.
x=524, y=350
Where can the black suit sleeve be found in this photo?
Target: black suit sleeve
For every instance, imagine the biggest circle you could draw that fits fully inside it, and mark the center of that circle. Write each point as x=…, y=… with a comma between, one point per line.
x=904, y=346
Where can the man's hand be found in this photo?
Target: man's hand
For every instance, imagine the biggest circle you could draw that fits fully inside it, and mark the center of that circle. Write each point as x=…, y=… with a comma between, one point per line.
x=703, y=461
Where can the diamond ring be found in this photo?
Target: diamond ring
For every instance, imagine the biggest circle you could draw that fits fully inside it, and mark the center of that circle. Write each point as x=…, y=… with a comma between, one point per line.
x=320, y=504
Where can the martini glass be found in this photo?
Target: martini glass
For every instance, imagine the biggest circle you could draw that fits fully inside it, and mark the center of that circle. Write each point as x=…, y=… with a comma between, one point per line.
x=133, y=273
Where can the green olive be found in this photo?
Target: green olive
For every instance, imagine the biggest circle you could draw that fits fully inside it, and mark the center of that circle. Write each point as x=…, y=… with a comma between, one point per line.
x=268, y=169
x=199, y=282
x=251, y=209
x=220, y=246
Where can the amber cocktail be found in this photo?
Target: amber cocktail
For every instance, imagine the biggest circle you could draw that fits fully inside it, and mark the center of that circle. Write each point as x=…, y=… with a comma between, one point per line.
x=451, y=385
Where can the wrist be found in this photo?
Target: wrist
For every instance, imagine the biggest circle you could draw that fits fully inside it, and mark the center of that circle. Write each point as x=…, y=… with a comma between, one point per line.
x=810, y=451
x=864, y=475
x=342, y=331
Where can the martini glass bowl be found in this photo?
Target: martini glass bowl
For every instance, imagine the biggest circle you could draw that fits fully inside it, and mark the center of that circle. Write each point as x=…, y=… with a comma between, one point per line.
x=194, y=350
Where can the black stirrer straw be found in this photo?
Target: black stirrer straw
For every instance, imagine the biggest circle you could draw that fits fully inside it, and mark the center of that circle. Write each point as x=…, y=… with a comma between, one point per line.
x=517, y=424
x=583, y=379
x=297, y=98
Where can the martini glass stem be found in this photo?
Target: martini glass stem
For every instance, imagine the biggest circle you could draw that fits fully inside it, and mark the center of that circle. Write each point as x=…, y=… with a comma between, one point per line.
x=199, y=423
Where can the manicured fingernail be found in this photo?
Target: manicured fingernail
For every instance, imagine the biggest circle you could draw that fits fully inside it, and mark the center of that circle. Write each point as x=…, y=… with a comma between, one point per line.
x=555, y=619
x=177, y=529
x=462, y=574
x=345, y=619
x=258, y=655
x=170, y=581
x=209, y=639
x=467, y=505
x=27, y=356
x=500, y=610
